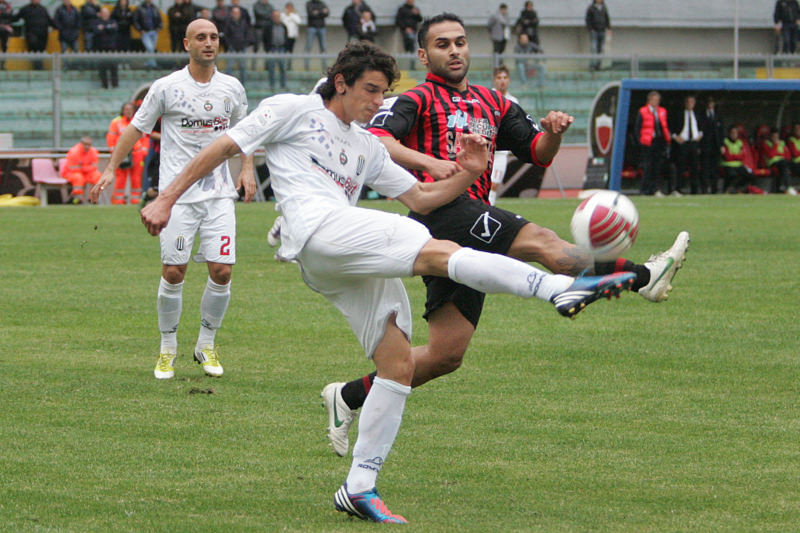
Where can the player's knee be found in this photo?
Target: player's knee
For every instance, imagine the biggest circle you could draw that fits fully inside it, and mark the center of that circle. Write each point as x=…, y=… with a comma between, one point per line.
x=173, y=273
x=433, y=258
x=219, y=273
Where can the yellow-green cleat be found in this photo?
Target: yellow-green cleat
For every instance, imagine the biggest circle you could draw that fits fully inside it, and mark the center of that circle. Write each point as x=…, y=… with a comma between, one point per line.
x=164, y=368
x=208, y=357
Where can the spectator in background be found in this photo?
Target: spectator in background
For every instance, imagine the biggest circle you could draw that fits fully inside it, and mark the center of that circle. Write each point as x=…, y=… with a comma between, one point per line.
x=123, y=15
x=106, y=30
x=368, y=28
x=275, y=42
x=90, y=11
x=219, y=16
x=687, y=134
x=147, y=19
x=794, y=153
x=262, y=18
x=36, y=22
x=204, y=14
x=528, y=66
x=599, y=24
x=239, y=36
x=316, y=13
x=179, y=15
x=776, y=157
x=290, y=19
x=67, y=21
x=710, y=146
x=735, y=175
x=500, y=81
x=652, y=134
x=245, y=13
x=787, y=17
x=133, y=165
x=351, y=19
x=81, y=168
x=528, y=23
x=499, y=31
x=408, y=20
x=6, y=31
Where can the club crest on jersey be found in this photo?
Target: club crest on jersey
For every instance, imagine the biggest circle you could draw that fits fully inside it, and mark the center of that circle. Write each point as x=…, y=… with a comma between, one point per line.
x=362, y=161
x=343, y=157
x=208, y=106
x=228, y=104
x=180, y=243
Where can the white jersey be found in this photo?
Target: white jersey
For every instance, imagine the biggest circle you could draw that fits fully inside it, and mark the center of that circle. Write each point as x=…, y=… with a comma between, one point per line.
x=317, y=163
x=500, y=161
x=192, y=115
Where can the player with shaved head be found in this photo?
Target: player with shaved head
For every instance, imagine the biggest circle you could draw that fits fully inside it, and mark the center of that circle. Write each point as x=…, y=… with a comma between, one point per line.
x=196, y=105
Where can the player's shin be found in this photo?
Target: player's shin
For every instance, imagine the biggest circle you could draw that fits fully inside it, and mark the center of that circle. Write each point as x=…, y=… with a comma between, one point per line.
x=494, y=273
x=377, y=429
x=170, y=300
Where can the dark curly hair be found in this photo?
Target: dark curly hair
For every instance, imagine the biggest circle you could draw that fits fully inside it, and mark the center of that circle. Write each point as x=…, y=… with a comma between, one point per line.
x=353, y=61
x=422, y=34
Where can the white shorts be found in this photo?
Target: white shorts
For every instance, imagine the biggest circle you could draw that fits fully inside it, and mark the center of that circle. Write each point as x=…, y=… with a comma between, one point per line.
x=355, y=259
x=499, y=165
x=214, y=220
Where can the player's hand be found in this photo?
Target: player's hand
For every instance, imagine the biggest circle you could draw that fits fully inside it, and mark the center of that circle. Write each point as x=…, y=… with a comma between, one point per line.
x=105, y=180
x=474, y=154
x=248, y=181
x=441, y=169
x=155, y=215
x=557, y=122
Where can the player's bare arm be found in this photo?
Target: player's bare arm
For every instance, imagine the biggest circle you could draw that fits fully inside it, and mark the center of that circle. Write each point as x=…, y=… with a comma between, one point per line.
x=247, y=178
x=411, y=159
x=123, y=147
x=155, y=215
x=472, y=160
x=555, y=124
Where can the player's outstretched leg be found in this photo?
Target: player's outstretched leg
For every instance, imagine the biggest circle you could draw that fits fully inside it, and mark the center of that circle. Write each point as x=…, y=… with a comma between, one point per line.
x=340, y=417
x=588, y=289
x=366, y=505
x=663, y=268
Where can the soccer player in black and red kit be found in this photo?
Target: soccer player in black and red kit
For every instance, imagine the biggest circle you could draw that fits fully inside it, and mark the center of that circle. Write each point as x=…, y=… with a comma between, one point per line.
x=419, y=129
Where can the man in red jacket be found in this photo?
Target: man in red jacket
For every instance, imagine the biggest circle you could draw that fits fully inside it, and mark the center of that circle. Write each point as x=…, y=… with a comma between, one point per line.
x=652, y=134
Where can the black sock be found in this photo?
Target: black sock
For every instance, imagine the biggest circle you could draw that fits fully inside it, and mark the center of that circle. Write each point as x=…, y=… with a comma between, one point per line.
x=354, y=393
x=623, y=265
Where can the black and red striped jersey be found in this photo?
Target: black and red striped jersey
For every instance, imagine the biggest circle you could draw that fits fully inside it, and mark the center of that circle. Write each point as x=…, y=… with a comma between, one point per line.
x=427, y=118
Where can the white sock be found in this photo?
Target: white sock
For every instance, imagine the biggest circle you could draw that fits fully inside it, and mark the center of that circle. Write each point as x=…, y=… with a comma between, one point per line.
x=493, y=273
x=169, y=303
x=212, y=311
x=377, y=428
x=492, y=197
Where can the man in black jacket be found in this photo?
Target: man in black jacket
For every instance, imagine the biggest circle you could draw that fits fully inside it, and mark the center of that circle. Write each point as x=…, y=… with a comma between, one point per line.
x=599, y=23
x=710, y=146
x=105, y=40
x=37, y=22
x=351, y=19
x=316, y=12
x=787, y=17
x=68, y=23
x=408, y=19
x=90, y=12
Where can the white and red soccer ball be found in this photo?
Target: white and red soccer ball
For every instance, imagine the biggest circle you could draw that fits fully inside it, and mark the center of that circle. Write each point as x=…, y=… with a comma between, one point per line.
x=605, y=225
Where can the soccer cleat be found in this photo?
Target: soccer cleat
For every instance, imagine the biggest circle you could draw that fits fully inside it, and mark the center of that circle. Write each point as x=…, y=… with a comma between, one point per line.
x=366, y=506
x=209, y=358
x=164, y=368
x=340, y=416
x=586, y=289
x=662, y=269
x=274, y=235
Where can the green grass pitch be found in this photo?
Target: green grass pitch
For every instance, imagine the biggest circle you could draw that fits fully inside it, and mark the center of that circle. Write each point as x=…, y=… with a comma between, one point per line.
x=681, y=416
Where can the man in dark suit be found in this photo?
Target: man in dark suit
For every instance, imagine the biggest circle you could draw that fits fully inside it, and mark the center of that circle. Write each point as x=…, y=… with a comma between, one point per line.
x=687, y=134
x=710, y=146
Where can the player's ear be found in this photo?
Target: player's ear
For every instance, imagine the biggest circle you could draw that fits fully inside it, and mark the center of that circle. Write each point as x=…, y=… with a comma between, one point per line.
x=339, y=83
x=186, y=44
x=422, y=56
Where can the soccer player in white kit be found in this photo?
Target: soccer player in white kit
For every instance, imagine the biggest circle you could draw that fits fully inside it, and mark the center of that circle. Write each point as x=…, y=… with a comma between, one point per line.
x=197, y=104
x=500, y=81
x=319, y=159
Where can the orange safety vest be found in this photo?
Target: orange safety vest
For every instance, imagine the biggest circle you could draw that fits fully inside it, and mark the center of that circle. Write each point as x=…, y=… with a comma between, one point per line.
x=115, y=129
x=80, y=160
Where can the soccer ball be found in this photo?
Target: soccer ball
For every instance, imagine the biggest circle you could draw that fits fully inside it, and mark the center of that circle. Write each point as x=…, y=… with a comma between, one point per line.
x=605, y=225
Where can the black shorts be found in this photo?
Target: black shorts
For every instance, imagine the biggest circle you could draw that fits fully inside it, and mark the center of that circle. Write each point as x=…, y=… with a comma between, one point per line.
x=473, y=224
